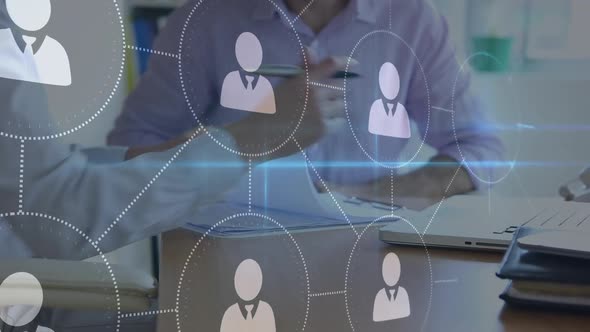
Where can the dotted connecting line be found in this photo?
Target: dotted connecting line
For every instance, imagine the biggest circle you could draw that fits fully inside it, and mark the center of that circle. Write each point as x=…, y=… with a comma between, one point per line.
x=392, y=175
x=204, y=236
x=249, y=185
x=438, y=108
x=21, y=177
x=147, y=50
x=89, y=240
x=441, y=201
x=322, y=85
x=448, y=281
x=148, y=313
x=308, y=161
x=390, y=14
x=328, y=294
x=149, y=185
x=303, y=11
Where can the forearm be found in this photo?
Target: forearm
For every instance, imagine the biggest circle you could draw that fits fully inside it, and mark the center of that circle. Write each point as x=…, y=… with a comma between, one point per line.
x=449, y=176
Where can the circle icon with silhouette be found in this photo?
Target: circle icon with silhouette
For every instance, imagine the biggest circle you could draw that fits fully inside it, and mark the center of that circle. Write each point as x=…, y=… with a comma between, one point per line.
x=250, y=313
x=387, y=116
x=393, y=301
x=35, y=56
x=21, y=300
x=388, y=109
x=243, y=89
x=388, y=290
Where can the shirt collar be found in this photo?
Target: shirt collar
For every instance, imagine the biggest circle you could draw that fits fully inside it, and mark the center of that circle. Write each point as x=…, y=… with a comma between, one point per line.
x=386, y=104
x=364, y=10
x=243, y=75
x=20, y=41
x=391, y=292
x=244, y=311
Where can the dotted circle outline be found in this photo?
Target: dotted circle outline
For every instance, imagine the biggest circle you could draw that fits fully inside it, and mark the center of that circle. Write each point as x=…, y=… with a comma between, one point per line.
x=348, y=265
x=105, y=104
x=219, y=223
x=406, y=163
x=88, y=239
x=457, y=142
x=192, y=109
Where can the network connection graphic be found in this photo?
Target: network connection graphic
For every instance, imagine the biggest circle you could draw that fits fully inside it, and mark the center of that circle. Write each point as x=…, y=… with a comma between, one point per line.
x=203, y=133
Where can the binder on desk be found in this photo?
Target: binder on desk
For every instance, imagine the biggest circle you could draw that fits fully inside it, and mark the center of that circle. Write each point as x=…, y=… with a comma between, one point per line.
x=545, y=280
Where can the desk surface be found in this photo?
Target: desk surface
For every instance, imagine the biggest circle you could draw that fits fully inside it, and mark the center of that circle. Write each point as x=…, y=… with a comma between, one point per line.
x=464, y=292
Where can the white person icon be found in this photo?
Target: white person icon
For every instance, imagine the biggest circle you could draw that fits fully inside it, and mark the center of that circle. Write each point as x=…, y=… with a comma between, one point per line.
x=250, y=314
x=21, y=299
x=244, y=89
x=392, y=302
x=32, y=55
x=388, y=117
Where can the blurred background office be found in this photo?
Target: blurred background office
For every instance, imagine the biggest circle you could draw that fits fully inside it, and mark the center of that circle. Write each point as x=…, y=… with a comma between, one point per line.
x=530, y=61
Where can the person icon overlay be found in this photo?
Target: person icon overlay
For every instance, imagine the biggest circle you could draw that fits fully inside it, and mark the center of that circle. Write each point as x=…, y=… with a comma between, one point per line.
x=244, y=89
x=21, y=299
x=392, y=302
x=250, y=314
x=34, y=57
x=388, y=117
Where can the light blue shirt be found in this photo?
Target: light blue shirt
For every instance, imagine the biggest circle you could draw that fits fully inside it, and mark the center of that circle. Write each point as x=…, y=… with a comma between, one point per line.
x=156, y=111
x=92, y=188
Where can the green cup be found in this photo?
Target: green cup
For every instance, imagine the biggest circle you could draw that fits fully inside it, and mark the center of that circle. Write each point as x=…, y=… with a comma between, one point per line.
x=495, y=54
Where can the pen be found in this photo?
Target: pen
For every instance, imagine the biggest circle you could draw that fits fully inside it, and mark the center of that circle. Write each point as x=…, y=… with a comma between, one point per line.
x=376, y=205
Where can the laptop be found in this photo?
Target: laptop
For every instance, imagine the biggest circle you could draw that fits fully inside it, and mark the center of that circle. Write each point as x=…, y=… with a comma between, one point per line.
x=484, y=223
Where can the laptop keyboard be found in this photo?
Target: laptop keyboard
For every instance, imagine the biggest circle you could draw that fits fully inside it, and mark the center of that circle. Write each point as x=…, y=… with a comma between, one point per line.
x=565, y=217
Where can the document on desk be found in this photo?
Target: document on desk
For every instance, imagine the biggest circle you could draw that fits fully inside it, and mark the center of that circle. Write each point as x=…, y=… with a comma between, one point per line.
x=283, y=190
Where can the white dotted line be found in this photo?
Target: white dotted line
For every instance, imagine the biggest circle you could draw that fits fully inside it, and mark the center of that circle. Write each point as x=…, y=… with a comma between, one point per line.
x=438, y=108
x=392, y=174
x=147, y=50
x=441, y=201
x=303, y=11
x=449, y=281
x=21, y=176
x=390, y=14
x=100, y=110
x=204, y=236
x=322, y=85
x=148, y=313
x=308, y=161
x=250, y=185
x=149, y=185
x=89, y=240
x=328, y=294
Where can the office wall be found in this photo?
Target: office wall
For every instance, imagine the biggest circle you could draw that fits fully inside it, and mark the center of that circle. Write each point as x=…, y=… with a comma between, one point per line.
x=554, y=147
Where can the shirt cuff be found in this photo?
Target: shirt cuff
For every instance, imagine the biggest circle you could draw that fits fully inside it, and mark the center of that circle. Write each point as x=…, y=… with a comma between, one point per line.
x=462, y=158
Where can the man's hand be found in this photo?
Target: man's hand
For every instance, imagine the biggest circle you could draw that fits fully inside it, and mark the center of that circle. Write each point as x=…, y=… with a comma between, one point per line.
x=324, y=104
x=419, y=189
x=255, y=133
